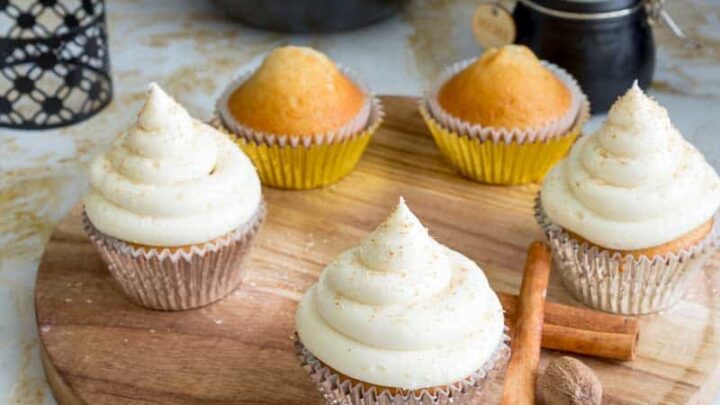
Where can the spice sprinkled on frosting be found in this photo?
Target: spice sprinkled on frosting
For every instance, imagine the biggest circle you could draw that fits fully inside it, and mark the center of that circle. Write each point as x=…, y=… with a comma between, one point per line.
x=171, y=180
x=401, y=310
x=635, y=183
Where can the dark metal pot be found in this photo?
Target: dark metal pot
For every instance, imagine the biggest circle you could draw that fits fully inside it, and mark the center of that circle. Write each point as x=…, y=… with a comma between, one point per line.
x=300, y=16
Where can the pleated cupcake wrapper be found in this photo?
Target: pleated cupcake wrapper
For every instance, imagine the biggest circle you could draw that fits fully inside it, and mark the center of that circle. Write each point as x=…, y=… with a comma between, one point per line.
x=555, y=128
x=258, y=137
x=338, y=390
x=178, y=279
x=504, y=156
x=302, y=166
x=504, y=163
x=624, y=284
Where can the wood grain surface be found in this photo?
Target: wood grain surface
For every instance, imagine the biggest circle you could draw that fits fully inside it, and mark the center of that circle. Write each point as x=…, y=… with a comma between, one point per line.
x=99, y=348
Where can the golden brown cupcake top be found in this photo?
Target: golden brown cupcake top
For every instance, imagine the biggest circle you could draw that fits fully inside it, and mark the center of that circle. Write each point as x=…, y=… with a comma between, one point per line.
x=296, y=91
x=507, y=88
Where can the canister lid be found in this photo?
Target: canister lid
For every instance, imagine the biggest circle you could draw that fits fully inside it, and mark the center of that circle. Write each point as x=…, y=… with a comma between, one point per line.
x=586, y=6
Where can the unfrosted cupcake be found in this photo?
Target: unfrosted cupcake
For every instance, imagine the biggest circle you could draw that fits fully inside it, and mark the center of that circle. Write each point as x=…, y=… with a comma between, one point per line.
x=506, y=117
x=630, y=213
x=401, y=319
x=174, y=204
x=302, y=120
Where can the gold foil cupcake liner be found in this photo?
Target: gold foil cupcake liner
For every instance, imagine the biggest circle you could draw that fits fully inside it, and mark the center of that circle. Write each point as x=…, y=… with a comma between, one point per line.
x=342, y=391
x=504, y=163
x=177, y=279
x=506, y=156
x=283, y=162
x=624, y=284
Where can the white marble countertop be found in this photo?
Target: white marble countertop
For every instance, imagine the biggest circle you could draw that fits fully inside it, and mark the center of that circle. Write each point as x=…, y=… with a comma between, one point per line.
x=191, y=50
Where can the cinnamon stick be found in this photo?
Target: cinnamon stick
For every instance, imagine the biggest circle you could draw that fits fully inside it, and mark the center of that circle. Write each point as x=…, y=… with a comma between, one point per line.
x=525, y=346
x=581, y=330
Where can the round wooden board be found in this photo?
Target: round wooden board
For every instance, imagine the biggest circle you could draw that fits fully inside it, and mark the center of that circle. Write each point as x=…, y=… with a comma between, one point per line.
x=99, y=348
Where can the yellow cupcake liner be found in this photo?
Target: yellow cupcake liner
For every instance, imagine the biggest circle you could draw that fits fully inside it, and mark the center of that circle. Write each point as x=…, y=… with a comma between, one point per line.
x=301, y=163
x=304, y=167
x=501, y=162
x=504, y=156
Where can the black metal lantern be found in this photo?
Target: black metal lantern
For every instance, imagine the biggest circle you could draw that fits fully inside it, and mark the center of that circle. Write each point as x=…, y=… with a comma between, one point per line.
x=54, y=62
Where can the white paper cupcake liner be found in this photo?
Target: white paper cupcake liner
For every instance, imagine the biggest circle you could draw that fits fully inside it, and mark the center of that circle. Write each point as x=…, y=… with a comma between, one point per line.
x=579, y=111
x=363, y=119
x=624, y=284
x=182, y=278
x=341, y=391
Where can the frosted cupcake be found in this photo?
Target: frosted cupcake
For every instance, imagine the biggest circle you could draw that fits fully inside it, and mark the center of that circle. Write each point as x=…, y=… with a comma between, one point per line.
x=506, y=117
x=401, y=319
x=174, y=205
x=630, y=213
x=302, y=120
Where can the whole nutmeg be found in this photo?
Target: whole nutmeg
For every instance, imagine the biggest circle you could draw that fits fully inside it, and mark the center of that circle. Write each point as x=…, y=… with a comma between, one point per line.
x=568, y=381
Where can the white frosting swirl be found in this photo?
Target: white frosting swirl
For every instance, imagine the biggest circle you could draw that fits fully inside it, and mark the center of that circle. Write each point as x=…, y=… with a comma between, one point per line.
x=401, y=310
x=633, y=184
x=171, y=180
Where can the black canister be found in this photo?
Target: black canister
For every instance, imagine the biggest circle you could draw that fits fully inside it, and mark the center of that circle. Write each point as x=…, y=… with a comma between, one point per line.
x=605, y=44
